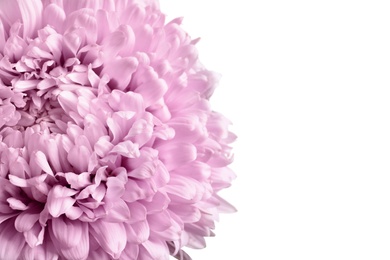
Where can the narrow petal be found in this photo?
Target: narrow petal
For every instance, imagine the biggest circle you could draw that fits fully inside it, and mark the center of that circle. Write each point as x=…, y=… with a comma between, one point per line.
x=55, y=16
x=42, y=162
x=31, y=12
x=16, y=204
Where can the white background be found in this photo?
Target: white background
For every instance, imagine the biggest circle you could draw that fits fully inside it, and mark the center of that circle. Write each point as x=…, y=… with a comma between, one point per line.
x=307, y=87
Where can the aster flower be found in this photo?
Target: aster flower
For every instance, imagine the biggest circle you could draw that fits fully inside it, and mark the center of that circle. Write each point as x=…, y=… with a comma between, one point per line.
x=108, y=146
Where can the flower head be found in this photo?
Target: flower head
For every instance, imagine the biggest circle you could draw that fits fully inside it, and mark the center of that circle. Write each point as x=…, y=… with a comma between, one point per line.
x=108, y=146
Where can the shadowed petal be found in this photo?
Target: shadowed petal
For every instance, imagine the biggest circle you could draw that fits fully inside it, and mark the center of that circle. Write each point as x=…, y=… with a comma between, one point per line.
x=11, y=241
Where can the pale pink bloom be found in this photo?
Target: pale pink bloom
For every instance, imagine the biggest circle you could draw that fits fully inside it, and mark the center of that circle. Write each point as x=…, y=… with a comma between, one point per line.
x=109, y=148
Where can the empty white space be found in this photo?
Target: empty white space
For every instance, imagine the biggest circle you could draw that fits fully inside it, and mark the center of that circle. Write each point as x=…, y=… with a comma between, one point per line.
x=307, y=87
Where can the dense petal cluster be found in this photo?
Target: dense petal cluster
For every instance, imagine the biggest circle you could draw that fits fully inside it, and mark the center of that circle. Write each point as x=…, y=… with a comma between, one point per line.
x=108, y=146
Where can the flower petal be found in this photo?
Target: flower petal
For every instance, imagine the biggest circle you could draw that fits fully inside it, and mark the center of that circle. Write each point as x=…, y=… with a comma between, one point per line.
x=59, y=200
x=31, y=12
x=26, y=220
x=174, y=155
x=111, y=237
x=120, y=71
x=41, y=161
x=152, y=91
x=11, y=241
x=55, y=16
x=70, y=237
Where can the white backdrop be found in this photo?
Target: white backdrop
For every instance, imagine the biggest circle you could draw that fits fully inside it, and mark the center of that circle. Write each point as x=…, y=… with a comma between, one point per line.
x=307, y=87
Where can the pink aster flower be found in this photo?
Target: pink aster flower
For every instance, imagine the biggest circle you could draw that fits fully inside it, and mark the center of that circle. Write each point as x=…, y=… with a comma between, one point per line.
x=108, y=146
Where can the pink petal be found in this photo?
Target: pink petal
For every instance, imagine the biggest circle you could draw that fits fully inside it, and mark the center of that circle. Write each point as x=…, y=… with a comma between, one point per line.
x=21, y=182
x=144, y=171
x=40, y=252
x=187, y=213
x=131, y=252
x=103, y=146
x=117, y=211
x=135, y=190
x=53, y=153
x=185, y=188
x=128, y=101
x=73, y=213
x=26, y=220
x=78, y=181
x=116, y=131
x=121, y=41
x=111, y=237
x=41, y=160
x=137, y=211
x=73, y=41
x=71, y=238
x=127, y=149
x=59, y=200
x=158, y=203
x=31, y=12
x=2, y=36
x=16, y=204
x=84, y=19
x=78, y=157
x=174, y=155
x=115, y=188
x=152, y=91
x=65, y=232
x=225, y=206
x=34, y=236
x=24, y=85
x=138, y=232
x=120, y=71
x=54, y=16
x=11, y=241
x=159, y=221
x=93, y=129
x=68, y=101
x=196, y=170
x=153, y=249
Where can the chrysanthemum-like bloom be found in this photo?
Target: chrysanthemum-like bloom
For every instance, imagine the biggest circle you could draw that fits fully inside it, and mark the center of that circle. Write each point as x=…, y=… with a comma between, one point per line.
x=109, y=148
